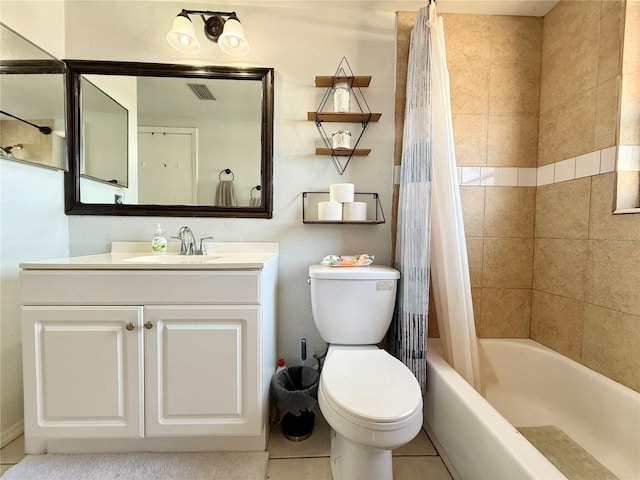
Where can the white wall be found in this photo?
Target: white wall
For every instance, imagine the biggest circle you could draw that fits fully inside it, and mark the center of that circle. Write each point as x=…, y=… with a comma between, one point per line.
x=32, y=221
x=300, y=40
x=40, y=21
x=33, y=227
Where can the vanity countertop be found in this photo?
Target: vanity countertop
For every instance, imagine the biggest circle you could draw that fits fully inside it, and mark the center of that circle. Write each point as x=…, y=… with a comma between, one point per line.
x=138, y=256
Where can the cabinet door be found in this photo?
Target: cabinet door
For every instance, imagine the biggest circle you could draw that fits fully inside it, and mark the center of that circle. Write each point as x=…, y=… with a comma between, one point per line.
x=83, y=371
x=202, y=370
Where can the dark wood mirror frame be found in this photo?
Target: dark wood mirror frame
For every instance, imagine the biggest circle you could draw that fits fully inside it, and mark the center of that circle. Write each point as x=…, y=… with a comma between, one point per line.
x=76, y=68
x=31, y=66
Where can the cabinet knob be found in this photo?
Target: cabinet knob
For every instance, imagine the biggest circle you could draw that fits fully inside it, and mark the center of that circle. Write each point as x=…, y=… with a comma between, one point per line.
x=148, y=325
x=130, y=326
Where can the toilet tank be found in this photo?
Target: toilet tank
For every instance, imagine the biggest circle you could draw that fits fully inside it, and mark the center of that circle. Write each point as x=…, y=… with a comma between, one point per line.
x=352, y=305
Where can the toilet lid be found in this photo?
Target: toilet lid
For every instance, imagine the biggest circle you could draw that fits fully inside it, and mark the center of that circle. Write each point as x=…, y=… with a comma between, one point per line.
x=371, y=385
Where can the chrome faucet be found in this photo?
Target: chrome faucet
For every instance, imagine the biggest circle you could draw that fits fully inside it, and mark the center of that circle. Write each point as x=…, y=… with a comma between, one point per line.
x=188, y=242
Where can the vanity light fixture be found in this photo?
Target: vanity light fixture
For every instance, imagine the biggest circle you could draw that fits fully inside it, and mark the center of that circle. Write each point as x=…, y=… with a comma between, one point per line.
x=222, y=28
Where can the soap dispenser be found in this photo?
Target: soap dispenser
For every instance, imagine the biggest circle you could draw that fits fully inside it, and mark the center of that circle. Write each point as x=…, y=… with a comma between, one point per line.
x=159, y=241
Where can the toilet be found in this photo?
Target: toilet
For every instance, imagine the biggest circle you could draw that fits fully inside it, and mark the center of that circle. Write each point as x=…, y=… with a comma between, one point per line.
x=370, y=399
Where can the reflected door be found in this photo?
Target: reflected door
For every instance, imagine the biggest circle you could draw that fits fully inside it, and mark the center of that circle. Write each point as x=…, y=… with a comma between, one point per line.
x=167, y=166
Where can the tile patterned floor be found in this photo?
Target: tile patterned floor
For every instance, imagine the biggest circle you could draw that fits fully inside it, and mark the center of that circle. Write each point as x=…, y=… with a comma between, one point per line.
x=309, y=459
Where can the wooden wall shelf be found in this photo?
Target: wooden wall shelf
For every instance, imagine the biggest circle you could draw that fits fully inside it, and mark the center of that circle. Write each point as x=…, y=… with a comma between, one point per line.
x=330, y=81
x=344, y=152
x=310, y=200
x=342, y=157
x=347, y=117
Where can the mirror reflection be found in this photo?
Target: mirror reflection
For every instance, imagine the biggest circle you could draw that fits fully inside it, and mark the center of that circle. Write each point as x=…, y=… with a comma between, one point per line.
x=188, y=133
x=32, y=107
x=196, y=138
x=104, y=136
x=200, y=129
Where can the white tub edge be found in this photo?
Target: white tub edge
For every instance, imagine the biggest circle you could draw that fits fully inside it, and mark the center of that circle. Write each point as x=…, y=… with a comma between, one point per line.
x=470, y=435
x=552, y=389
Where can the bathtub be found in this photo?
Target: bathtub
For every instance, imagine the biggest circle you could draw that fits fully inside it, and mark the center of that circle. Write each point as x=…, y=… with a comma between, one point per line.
x=527, y=384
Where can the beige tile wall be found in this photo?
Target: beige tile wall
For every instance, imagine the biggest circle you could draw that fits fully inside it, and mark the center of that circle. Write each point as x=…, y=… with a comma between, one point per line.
x=586, y=277
x=494, y=64
x=586, y=274
x=580, y=78
x=550, y=263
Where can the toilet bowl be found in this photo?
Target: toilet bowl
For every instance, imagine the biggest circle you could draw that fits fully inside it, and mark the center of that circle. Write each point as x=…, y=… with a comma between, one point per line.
x=373, y=404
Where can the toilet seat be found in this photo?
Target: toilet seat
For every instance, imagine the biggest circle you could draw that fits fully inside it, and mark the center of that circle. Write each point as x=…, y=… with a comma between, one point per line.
x=371, y=388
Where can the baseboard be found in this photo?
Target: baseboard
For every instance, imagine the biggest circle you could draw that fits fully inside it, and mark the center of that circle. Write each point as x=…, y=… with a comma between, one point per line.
x=10, y=434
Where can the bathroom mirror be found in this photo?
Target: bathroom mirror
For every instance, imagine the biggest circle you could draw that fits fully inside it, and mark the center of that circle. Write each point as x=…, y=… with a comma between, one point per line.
x=199, y=140
x=32, y=103
x=105, y=127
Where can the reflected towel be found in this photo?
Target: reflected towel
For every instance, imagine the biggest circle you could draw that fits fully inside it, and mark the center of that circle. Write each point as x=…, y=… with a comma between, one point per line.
x=255, y=202
x=226, y=194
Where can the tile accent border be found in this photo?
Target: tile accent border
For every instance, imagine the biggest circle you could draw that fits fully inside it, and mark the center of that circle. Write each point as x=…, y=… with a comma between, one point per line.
x=587, y=165
x=593, y=163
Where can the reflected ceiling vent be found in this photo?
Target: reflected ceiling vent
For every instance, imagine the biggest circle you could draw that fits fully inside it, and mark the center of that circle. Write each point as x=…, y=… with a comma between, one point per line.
x=201, y=91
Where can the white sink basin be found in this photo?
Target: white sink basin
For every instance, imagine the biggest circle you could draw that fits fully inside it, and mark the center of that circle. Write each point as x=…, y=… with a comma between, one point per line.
x=173, y=258
x=136, y=256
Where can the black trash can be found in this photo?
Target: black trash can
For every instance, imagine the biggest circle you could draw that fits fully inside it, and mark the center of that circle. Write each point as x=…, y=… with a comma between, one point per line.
x=294, y=391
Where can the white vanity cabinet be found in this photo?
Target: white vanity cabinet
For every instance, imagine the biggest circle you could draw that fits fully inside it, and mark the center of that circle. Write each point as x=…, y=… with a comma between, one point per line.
x=201, y=374
x=84, y=375
x=140, y=360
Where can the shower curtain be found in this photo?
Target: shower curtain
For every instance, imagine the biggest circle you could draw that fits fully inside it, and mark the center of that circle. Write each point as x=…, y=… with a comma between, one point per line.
x=449, y=261
x=429, y=193
x=408, y=333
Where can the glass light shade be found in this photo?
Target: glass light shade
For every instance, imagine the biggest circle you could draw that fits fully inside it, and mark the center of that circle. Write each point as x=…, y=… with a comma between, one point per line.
x=182, y=35
x=232, y=41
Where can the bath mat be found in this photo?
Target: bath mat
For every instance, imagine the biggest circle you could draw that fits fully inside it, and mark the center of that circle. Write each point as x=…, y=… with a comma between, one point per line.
x=567, y=456
x=142, y=466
